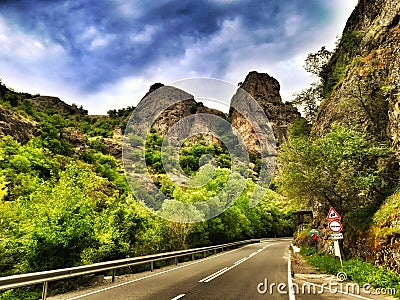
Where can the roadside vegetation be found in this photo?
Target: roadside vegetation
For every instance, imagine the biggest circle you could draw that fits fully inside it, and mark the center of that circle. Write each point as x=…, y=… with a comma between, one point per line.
x=341, y=169
x=356, y=270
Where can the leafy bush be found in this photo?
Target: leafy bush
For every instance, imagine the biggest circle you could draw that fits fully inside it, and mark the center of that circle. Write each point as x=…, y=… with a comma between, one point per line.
x=25, y=294
x=307, y=251
x=325, y=263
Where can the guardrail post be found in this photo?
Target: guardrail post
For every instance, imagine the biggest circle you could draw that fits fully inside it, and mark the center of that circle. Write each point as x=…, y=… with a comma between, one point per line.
x=215, y=251
x=176, y=261
x=192, y=256
x=113, y=276
x=44, y=293
x=152, y=266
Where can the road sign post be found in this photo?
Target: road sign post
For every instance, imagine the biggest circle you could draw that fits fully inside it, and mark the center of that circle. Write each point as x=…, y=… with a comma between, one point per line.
x=338, y=253
x=336, y=227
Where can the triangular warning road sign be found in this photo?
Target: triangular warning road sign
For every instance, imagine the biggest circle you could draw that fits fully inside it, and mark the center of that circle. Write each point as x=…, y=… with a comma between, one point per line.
x=333, y=214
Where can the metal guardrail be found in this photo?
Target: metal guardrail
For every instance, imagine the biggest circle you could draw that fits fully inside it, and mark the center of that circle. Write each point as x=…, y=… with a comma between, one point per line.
x=45, y=277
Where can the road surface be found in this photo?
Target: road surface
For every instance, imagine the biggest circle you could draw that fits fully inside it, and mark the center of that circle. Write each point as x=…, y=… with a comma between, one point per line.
x=236, y=274
x=255, y=271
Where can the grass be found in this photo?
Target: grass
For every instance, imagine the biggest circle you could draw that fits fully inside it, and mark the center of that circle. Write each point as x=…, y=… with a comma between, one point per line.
x=358, y=271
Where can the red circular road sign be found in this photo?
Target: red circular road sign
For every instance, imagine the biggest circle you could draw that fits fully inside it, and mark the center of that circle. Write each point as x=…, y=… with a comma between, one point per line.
x=335, y=226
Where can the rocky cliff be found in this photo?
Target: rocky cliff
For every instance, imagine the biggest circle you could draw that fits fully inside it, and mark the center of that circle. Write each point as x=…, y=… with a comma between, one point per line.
x=262, y=87
x=175, y=105
x=361, y=81
x=266, y=91
x=362, y=91
x=15, y=125
x=55, y=104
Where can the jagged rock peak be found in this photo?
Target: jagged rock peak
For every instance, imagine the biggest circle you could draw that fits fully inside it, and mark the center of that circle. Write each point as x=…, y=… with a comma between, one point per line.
x=173, y=105
x=265, y=90
x=261, y=84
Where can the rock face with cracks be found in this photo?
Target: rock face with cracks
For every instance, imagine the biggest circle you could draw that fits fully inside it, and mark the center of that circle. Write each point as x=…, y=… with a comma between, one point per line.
x=15, y=125
x=361, y=87
x=265, y=90
x=362, y=79
x=177, y=105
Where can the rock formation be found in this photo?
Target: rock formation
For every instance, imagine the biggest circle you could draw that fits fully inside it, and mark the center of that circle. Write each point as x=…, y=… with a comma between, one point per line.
x=361, y=81
x=265, y=90
x=174, y=105
x=361, y=85
x=262, y=87
x=15, y=125
x=55, y=104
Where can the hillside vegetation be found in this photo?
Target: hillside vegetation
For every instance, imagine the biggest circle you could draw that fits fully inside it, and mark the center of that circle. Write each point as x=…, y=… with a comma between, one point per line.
x=64, y=200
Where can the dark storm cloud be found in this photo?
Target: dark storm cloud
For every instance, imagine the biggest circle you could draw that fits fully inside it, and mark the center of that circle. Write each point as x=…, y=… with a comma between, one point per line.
x=105, y=41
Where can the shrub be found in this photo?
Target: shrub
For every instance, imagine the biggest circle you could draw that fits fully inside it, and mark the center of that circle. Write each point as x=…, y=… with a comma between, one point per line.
x=307, y=251
x=325, y=263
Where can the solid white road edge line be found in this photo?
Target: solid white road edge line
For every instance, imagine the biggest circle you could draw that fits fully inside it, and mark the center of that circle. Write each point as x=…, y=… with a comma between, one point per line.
x=290, y=281
x=156, y=274
x=178, y=297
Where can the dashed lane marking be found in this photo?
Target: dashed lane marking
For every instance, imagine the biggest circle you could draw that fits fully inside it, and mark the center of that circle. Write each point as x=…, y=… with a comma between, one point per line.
x=226, y=269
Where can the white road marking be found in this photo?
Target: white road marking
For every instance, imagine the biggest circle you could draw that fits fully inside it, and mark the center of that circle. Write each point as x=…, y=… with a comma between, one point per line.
x=241, y=260
x=156, y=274
x=224, y=270
x=212, y=275
x=178, y=297
x=290, y=281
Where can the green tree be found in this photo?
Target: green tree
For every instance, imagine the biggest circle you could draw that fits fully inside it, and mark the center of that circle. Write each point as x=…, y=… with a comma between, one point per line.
x=309, y=100
x=315, y=62
x=300, y=128
x=3, y=187
x=341, y=169
x=52, y=227
x=50, y=130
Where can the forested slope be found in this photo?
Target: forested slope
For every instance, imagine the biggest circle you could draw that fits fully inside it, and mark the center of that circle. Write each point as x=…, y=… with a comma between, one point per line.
x=65, y=200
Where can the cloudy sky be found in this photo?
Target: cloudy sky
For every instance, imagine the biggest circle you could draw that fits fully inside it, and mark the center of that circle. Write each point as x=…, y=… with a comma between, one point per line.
x=105, y=54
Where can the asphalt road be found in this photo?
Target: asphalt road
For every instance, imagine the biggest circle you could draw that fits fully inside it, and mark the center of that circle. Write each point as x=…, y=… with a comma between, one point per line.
x=250, y=272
